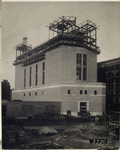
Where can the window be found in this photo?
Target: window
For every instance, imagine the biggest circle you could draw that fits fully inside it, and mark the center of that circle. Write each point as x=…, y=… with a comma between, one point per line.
x=23, y=107
x=114, y=92
x=24, y=94
x=78, y=73
x=43, y=77
x=84, y=67
x=111, y=93
x=114, y=100
x=117, y=86
x=35, y=93
x=85, y=91
x=107, y=92
x=109, y=75
x=24, y=78
x=43, y=66
x=27, y=107
x=68, y=91
x=80, y=91
x=110, y=80
x=117, y=93
x=95, y=92
x=36, y=79
x=118, y=73
x=78, y=68
x=118, y=66
x=79, y=59
x=81, y=67
x=43, y=81
x=42, y=92
x=30, y=76
x=117, y=79
x=109, y=87
x=84, y=74
x=29, y=94
x=84, y=60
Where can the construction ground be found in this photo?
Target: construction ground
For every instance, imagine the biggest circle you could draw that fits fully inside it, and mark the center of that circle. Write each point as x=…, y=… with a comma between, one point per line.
x=62, y=134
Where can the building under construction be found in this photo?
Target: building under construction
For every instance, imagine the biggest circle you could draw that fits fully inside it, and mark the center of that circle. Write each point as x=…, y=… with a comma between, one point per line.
x=60, y=75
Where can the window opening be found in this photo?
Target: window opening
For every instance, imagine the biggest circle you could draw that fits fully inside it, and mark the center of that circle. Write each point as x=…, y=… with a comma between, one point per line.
x=68, y=91
x=85, y=91
x=84, y=67
x=95, y=92
x=78, y=68
x=24, y=77
x=43, y=76
x=36, y=79
x=80, y=91
x=30, y=76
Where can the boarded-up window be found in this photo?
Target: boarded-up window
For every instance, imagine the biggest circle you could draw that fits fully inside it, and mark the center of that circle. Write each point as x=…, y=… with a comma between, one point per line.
x=27, y=107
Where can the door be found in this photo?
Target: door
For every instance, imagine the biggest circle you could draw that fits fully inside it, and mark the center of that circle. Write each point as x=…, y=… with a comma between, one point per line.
x=83, y=106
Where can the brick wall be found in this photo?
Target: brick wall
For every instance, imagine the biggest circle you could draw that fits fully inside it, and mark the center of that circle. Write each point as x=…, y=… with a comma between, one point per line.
x=23, y=109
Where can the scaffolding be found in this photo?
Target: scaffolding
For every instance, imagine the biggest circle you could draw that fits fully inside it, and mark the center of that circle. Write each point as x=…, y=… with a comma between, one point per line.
x=67, y=33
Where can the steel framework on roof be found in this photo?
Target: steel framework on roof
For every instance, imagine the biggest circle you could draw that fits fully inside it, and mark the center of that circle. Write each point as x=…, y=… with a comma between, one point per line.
x=68, y=33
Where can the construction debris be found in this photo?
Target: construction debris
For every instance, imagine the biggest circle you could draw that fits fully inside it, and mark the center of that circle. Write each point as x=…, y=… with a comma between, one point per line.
x=44, y=144
x=47, y=131
x=13, y=134
x=42, y=130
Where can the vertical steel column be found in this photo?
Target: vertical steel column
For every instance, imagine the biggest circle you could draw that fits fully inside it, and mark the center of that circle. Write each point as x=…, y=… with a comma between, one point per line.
x=53, y=33
x=20, y=53
x=90, y=39
x=62, y=25
x=75, y=23
x=95, y=36
x=49, y=32
x=16, y=53
x=57, y=28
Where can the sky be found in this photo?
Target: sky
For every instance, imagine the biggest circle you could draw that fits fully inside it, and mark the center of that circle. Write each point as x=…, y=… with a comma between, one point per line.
x=30, y=19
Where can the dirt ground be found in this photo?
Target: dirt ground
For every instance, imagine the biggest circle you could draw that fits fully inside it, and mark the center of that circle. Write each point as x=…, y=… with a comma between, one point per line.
x=74, y=136
x=70, y=135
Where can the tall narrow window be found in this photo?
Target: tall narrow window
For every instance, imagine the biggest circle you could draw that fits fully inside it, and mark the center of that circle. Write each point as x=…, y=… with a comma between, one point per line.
x=30, y=76
x=24, y=78
x=43, y=66
x=78, y=68
x=43, y=77
x=84, y=74
x=79, y=59
x=36, y=78
x=78, y=73
x=84, y=59
x=84, y=67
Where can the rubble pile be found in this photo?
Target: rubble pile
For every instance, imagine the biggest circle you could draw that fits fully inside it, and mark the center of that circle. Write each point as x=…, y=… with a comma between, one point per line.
x=13, y=134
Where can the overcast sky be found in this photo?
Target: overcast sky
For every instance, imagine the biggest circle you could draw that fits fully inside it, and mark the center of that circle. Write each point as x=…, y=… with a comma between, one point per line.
x=25, y=19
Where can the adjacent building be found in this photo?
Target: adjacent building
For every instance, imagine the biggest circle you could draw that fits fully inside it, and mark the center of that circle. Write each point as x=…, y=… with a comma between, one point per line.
x=60, y=75
x=109, y=73
x=6, y=94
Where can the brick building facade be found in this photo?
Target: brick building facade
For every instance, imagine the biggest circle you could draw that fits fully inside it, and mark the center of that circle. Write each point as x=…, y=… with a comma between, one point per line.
x=59, y=76
x=109, y=73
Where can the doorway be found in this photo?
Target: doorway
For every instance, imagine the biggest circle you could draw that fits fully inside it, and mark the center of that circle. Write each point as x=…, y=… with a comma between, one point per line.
x=83, y=107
